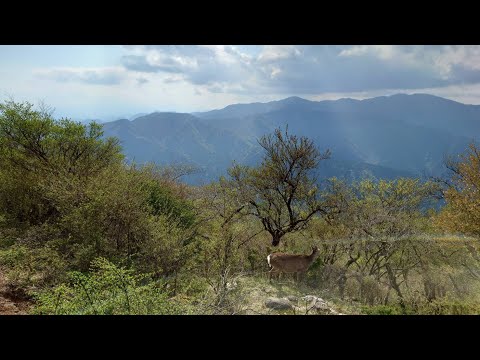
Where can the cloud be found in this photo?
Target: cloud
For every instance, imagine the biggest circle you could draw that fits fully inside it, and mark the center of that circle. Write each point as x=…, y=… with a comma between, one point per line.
x=198, y=65
x=141, y=81
x=450, y=63
x=201, y=77
x=382, y=51
x=271, y=53
x=317, y=69
x=95, y=76
x=173, y=79
x=280, y=69
x=138, y=63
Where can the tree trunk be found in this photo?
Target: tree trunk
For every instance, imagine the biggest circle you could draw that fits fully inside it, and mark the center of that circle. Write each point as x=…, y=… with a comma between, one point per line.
x=455, y=286
x=385, y=301
x=342, y=280
x=395, y=286
x=276, y=239
x=175, y=284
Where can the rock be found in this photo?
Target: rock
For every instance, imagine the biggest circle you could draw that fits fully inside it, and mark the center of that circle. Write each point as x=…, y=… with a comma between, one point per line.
x=309, y=298
x=278, y=304
x=292, y=298
x=316, y=303
x=321, y=305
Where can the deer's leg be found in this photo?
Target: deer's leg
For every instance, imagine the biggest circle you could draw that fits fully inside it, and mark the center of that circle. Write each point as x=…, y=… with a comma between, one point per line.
x=271, y=272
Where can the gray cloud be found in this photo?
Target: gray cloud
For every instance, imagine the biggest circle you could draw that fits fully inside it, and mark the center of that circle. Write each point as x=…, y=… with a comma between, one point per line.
x=141, y=81
x=322, y=69
x=138, y=63
x=310, y=69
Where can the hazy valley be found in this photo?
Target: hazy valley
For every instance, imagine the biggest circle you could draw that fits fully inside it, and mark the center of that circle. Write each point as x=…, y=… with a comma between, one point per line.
x=383, y=137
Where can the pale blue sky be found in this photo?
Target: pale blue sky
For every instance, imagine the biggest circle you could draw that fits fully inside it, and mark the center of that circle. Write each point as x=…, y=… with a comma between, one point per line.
x=106, y=82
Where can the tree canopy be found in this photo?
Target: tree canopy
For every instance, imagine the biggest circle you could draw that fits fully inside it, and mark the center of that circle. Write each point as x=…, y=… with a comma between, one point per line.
x=282, y=191
x=462, y=212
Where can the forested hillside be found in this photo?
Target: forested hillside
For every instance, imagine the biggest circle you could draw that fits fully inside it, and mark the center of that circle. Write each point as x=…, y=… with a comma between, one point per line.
x=379, y=138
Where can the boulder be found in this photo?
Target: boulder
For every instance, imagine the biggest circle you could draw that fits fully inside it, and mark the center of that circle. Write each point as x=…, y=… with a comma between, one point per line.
x=278, y=304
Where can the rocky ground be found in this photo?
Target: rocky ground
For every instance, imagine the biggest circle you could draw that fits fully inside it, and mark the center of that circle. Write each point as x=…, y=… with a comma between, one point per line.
x=261, y=297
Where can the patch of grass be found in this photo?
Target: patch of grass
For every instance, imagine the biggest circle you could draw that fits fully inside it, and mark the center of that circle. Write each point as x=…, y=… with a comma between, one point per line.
x=255, y=290
x=381, y=310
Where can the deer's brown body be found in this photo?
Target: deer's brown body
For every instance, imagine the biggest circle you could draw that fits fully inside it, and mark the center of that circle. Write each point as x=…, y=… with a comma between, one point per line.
x=290, y=263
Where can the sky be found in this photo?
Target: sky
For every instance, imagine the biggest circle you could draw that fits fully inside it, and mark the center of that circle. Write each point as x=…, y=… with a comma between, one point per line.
x=107, y=82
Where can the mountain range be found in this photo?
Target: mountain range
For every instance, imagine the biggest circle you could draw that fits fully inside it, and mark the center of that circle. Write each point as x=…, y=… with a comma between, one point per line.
x=381, y=137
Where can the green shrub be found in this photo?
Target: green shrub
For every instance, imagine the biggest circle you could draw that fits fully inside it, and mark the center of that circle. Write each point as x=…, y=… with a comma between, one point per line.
x=106, y=290
x=163, y=202
x=442, y=306
x=447, y=306
x=382, y=310
x=30, y=269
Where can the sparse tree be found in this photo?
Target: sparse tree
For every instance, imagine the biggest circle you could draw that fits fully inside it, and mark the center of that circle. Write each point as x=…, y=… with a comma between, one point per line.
x=282, y=192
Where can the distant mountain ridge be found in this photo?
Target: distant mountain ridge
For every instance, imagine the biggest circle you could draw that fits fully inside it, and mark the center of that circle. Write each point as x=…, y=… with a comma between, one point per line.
x=387, y=136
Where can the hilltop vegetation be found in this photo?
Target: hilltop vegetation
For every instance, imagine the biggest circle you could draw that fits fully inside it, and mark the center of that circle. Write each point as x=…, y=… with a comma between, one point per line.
x=82, y=231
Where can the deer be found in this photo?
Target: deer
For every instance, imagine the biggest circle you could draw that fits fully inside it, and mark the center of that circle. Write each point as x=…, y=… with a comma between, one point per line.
x=290, y=263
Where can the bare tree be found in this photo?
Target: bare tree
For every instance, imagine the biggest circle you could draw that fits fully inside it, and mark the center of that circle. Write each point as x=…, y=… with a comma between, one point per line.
x=282, y=192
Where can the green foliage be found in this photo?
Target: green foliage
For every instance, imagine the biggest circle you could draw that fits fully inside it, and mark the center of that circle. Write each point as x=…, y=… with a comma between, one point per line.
x=447, y=306
x=112, y=220
x=66, y=197
x=167, y=249
x=41, y=157
x=442, y=306
x=107, y=290
x=462, y=213
x=382, y=310
x=230, y=245
x=29, y=269
x=163, y=202
x=32, y=140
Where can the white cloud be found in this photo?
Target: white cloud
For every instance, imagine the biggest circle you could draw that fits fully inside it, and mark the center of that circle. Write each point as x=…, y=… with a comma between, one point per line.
x=96, y=76
x=303, y=69
x=199, y=65
x=384, y=52
x=355, y=51
x=272, y=53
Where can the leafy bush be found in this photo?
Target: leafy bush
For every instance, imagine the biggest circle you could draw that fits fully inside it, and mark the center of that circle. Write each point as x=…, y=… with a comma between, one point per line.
x=447, y=306
x=443, y=306
x=43, y=160
x=30, y=269
x=107, y=290
x=163, y=202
